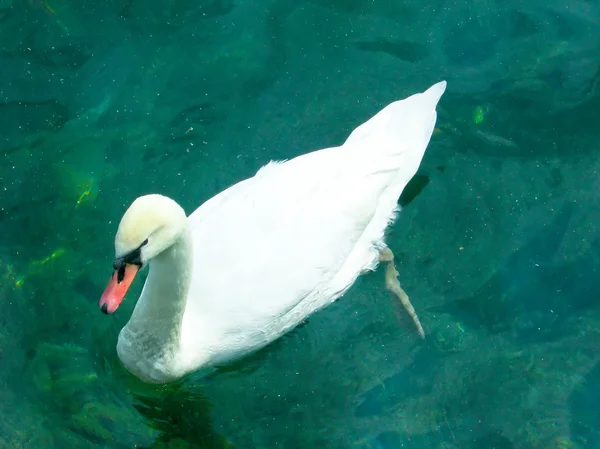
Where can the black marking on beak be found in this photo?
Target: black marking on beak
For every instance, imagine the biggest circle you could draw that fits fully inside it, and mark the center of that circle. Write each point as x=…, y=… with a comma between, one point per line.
x=120, y=274
x=132, y=258
x=104, y=309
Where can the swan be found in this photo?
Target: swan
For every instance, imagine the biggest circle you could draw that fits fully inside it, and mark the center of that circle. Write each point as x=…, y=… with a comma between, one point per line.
x=255, y=260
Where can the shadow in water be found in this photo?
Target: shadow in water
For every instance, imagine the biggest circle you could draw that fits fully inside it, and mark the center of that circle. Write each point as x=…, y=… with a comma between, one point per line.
x=538, y=292
x=179, y=412
x=439, y=438
x=182, y=415
x=415, y=379
x=584, y=411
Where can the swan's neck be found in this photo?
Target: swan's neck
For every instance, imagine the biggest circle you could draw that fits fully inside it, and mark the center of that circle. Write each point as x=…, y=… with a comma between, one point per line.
x=149, y=343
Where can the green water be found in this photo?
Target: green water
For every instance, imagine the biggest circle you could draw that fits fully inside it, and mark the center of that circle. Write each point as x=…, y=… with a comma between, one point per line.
x=498, y=245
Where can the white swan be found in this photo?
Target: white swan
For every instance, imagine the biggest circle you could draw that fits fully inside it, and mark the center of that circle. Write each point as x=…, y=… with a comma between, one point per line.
x=255, y=260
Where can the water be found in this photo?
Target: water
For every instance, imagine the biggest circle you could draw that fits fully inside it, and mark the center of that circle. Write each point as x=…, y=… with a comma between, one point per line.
x=497, y=246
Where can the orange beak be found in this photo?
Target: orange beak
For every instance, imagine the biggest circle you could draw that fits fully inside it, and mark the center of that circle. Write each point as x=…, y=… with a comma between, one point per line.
x=117, y=288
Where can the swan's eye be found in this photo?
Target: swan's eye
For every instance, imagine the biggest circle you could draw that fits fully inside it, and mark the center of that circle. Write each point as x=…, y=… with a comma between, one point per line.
x=145, y=242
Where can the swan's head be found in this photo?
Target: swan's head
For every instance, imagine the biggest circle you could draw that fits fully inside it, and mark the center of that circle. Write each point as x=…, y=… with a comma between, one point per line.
x=150, y=225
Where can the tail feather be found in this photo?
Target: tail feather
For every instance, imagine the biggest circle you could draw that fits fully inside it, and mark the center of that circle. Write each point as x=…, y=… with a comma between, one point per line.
x=395, y=139
x=409, y=120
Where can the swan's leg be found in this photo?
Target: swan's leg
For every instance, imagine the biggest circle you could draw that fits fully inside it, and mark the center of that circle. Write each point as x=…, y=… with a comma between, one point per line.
x=393, y=286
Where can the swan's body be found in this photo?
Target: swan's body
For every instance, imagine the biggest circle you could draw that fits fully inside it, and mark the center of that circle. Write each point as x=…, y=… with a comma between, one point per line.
x=255, y=260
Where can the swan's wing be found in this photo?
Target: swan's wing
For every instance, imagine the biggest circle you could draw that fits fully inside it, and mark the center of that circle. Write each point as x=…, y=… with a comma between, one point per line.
x=271, y=240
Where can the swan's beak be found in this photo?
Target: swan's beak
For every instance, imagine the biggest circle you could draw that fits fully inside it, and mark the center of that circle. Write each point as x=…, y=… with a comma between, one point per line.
x=117, y=287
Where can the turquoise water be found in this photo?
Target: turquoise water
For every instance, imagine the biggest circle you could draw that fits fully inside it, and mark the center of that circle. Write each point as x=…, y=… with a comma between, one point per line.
x=498, y=246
